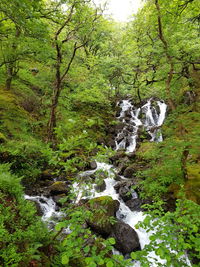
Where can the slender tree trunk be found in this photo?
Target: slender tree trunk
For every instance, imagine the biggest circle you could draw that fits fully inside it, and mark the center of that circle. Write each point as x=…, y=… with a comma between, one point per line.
x=56, y=93
x=57, y=90
x=11, y=68
x=138, y=93
x=9, y=76
x=168, y=56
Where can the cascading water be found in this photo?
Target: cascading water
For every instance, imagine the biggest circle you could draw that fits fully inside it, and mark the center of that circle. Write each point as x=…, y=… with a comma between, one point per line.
x=150, y=117
x=132, y=119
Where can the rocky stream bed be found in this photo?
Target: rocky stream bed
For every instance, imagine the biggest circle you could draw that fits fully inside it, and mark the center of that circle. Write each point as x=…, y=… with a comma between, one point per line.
x=110, y=186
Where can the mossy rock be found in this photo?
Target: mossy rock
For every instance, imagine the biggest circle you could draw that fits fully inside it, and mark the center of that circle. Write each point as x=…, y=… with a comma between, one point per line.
x=58, y=188
x=103, y=209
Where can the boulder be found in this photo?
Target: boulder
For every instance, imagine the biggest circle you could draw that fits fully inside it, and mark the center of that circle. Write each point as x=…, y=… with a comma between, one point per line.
x=117, y=157
x=126, y=238
x=134, y=204
x=57, y=199
x=129, y=172
x=58, y=188
x=111, y=143
x=101, y=186
x=93, y=165
x=46, y=175
x=102, y=209
x=124, y=189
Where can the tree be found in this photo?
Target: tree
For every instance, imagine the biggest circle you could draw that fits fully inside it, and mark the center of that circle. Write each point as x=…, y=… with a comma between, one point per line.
x=18, y=20
x=72, y=32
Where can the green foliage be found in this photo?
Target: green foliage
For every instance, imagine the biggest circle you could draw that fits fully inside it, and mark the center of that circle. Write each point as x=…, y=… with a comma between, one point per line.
x=26, y=158
x=81, y=247
x=21, y=232
x=174, y=236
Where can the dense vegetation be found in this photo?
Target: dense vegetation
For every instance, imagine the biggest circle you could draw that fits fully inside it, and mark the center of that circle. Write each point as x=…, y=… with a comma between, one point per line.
x=63, y=66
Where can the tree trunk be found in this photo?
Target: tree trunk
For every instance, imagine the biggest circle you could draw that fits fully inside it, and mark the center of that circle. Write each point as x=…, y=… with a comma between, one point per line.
x=11, y=67
x=168, y=56
x=52, y=119
x=9, y=76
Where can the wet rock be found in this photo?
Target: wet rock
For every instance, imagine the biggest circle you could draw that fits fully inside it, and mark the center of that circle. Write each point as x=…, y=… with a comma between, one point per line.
x=58, y=188
x=100, y=174
x=92, y=165
x=46, y=175
x=117, y=177
x=57, y=199
x=102, y=208
x=126, y=238
x=119, y=127
x=115, y=159
x=129, y=172
x=124, y=189
x=101, y=186
x=39, y=211
x=111, y=143
x=118, y=111
x=134, y=204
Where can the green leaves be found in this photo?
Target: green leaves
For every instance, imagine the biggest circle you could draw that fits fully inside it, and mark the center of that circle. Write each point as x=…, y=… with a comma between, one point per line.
x=109, y=264
x=64, y=259
x=111, y=241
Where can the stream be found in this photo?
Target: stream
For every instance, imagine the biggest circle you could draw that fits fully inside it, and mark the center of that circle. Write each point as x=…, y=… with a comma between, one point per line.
x=149, y=118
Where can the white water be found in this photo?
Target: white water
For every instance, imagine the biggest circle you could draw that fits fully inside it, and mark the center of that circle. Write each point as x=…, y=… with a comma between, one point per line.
x=48, y=208
x=151, y=123
x=148, y=117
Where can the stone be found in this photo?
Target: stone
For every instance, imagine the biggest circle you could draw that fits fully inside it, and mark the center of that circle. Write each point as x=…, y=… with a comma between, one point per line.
x=124, y=189
x=100, y=187
x=129, y=172
x=126, y=238
x=57, y=199
x=46, y=175
x=134, y=204
x=102, y=208
x=111, y=143
x=58, y=188
x=93, y=165
x=115, y=159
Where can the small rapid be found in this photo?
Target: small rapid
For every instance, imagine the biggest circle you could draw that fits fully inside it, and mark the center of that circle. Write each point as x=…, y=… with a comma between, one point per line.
x=149, y=118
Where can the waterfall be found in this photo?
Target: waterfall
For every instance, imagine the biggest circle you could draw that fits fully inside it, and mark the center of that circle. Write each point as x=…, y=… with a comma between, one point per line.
x=154, y=114
x=150, y=118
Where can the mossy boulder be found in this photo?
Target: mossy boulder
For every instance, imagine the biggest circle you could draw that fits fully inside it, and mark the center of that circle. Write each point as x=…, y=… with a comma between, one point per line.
x=58, y=188
x=103, y=209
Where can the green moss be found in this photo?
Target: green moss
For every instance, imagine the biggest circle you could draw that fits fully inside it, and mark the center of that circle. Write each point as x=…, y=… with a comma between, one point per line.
x=2, y=138
x=145, y=150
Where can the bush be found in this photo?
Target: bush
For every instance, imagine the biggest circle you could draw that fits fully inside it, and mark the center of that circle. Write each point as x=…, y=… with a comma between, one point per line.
x=21, y=232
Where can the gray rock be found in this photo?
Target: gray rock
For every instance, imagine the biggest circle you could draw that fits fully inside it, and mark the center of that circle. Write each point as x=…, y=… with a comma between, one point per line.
x=93, y=165
x=129, y=172
x=126, y=238
x=134, y=204
x=100, y=187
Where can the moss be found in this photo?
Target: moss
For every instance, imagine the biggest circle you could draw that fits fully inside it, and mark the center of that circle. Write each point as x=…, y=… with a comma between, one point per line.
x=145, y=150
x=192, y=186
x=14, y=119
x=2, y=138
